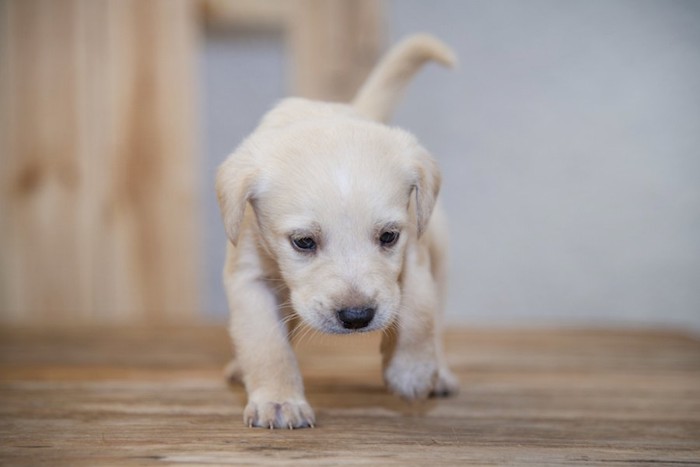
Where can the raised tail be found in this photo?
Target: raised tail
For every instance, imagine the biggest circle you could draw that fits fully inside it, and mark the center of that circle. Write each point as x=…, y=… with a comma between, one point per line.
x=379, y=95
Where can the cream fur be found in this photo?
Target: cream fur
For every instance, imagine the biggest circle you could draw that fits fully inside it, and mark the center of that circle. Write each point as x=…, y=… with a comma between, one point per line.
x=328, y=172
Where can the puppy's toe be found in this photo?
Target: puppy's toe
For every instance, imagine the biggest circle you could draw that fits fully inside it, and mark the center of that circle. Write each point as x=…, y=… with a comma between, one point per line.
x=295, y=415
x=446, y=384
x=284, y=414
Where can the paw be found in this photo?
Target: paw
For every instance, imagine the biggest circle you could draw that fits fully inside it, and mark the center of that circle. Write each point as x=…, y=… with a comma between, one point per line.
x=446, y=384
x=289, y=413
x=411, y=378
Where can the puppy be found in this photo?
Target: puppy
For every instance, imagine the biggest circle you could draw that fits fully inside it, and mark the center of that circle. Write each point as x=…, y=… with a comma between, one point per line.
x=332, y=223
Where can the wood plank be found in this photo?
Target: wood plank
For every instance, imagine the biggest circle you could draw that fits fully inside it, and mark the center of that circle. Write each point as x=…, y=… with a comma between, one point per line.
x=40, y=160
x=150, y=396
x=334, y=44
x=99, y=175
x=246, y=15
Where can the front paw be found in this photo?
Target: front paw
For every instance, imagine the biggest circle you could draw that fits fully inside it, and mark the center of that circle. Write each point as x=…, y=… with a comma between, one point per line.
x=411, y=378
x=446, y=384
x=281, y=413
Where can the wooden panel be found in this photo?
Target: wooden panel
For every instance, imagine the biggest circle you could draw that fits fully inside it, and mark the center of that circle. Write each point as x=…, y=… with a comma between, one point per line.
x=246, y=15
x=334, y=45
x=527, y=398
x=99, y=170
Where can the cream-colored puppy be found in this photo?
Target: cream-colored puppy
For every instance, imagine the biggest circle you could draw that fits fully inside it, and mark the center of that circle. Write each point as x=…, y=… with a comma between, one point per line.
x=343, y=236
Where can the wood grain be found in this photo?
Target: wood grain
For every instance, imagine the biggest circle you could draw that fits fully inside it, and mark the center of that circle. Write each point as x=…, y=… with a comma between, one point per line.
x=253, y=16
x=334, y=44
x=99, y=171
x=137, y=396
x=98, y=215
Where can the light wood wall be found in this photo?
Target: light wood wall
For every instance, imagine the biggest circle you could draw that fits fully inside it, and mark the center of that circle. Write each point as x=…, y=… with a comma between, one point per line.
x=99, y=163
x=99, y=175
x=334, y=44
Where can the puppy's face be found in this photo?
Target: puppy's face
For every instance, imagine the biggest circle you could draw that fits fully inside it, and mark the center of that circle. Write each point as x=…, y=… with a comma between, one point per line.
x=335, y=218
x=333, y=209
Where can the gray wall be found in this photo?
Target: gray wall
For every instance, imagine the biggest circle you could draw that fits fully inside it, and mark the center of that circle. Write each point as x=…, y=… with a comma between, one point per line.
x=569, y=139
x=241, y=77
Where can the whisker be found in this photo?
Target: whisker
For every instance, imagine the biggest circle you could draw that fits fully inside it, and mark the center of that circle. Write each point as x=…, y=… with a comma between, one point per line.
x=308, y=332
x=297, y=332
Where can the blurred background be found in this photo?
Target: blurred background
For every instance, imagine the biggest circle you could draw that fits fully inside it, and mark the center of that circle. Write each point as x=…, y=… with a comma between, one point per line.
x=569, y=139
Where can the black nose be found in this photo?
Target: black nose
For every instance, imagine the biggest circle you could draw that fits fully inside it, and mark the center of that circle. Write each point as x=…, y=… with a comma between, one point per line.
x=355, y=318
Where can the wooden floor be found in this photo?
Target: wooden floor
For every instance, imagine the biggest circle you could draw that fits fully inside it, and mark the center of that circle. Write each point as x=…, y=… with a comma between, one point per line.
x=105, y=397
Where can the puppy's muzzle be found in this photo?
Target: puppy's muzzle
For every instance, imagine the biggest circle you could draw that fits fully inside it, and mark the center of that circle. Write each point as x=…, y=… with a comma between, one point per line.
x=355, y=318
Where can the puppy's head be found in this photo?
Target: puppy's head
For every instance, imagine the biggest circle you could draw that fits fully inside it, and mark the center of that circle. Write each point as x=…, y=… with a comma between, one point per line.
x=337, y=201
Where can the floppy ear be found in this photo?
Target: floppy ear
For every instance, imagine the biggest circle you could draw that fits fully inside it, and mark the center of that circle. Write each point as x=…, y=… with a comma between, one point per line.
x=426, y=186
x=235, y=184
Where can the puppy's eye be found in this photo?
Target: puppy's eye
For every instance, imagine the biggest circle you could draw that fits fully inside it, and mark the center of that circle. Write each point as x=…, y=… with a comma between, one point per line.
x=388, y=238
x=304, y=244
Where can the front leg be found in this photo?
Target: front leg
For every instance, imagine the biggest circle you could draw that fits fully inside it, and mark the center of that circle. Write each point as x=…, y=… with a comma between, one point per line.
x=413, y=360
x=264, y=356
x=409, y=357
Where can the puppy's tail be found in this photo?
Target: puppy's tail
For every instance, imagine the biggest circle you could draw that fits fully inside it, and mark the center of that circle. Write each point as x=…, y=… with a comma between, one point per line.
x=378, y=97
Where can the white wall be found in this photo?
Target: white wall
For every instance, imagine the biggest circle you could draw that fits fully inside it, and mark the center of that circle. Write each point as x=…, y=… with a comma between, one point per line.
x=570, y=142
x=569, y=139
